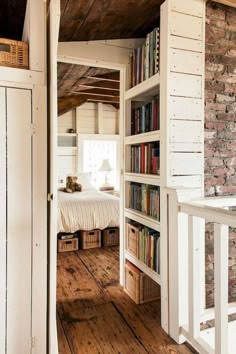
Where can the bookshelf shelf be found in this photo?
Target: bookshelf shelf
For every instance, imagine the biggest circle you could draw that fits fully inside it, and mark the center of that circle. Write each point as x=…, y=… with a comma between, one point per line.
x=151, y=273
x=143, y=219
x=67, y=134
x=144, y=91
x=153, y=180
x=143, y=138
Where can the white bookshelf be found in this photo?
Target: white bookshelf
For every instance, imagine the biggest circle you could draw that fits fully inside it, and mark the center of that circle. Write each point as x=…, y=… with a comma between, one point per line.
x=143, y=138
x=142, y=178
x=151, y=273
x=143, y=219
x=144, y=91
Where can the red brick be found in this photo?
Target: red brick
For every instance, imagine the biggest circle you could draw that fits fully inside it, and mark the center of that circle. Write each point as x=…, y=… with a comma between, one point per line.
x=225, y=190
x=230, y=88
x=231, y=162
x=216, y=106
x=216, y=86
x=226, y=116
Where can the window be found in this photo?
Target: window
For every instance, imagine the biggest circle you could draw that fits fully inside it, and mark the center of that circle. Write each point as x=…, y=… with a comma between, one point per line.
x=94, y=152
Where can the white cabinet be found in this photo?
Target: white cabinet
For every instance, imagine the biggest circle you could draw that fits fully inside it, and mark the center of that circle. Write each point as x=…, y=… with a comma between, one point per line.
x=20, y=201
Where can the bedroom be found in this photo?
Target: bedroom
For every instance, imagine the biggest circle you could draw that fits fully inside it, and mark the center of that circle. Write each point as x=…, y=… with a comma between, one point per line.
x=89, y=148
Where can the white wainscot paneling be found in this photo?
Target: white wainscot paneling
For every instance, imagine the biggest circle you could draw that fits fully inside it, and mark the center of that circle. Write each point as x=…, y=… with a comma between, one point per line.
x=185, y=85
x=183, y=164
x=87, y=118
x=186, y=181
x=186, y=26
x=194, y=7
x=66, y=121
x=67, y=163
x=186, y=44
x=184, y=61
x=185, y=108
x=185, y=131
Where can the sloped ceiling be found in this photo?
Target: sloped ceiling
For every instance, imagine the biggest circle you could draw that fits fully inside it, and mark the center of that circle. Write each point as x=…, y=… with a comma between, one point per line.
x=78, y=84
x=87, y=20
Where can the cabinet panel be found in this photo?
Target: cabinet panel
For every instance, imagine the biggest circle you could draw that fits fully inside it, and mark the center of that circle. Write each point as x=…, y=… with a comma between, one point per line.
x=185, y=108
x=194, y=7
x=182, y=131
x=19, y=223
x=186, y=164
x=186, y=26
x=186, y=44
x=3, y=225
x=185, y=85
x=184, y=61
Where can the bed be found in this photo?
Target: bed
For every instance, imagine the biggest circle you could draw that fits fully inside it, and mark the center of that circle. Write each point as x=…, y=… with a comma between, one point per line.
x=87, y=210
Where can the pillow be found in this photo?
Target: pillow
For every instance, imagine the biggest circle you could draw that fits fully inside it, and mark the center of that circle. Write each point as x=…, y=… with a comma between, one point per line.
x=84, y=180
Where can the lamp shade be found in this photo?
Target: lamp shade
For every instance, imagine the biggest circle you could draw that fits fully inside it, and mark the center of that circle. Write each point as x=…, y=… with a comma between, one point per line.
x=105, y=166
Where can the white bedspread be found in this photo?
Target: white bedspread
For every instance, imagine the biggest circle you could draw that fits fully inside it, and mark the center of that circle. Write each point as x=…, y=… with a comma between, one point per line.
x=87, y=210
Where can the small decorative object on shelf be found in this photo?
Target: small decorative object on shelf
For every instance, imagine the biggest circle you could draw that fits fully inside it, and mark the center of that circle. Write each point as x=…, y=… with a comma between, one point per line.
x=14, y=54
x=71, y=131
x=139, y=286
x=145, y=60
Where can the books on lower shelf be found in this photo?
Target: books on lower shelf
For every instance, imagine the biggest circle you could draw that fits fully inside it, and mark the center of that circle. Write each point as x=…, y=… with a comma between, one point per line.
x=144, y=61
x=145, y=158
x=144, y=243
x=145, y=118
x=144, y=198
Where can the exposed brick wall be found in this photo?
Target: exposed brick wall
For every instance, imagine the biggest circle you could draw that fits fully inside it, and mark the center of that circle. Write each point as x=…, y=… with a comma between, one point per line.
x=220, y=127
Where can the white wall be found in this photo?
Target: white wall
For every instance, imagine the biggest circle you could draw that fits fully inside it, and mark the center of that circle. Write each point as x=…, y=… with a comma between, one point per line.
x=89, y=118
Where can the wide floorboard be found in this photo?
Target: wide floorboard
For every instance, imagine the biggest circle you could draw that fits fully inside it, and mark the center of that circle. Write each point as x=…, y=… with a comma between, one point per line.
x=96, y=316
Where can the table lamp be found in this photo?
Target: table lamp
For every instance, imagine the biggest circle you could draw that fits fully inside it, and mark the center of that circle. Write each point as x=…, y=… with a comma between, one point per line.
x=105, y=167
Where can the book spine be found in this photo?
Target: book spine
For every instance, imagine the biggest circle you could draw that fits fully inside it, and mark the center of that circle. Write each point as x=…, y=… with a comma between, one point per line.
x=147, y=56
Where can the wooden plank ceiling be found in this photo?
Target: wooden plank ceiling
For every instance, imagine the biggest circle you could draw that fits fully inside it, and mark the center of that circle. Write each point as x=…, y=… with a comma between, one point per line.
x=78, y=84
x=12, y=14
x=88, y=20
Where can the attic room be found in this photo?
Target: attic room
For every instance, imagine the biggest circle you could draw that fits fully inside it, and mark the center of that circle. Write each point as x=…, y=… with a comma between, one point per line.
x=119, y=121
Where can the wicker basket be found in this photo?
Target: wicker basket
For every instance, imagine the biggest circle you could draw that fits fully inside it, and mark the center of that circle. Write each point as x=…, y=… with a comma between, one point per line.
x=68, y=245
x=139, y=286
x=132, y=239
x=14, y=53
x=90, y=239
x=110, y=237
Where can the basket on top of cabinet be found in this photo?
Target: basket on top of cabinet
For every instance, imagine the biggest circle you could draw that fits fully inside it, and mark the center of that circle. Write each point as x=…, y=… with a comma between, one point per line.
x=14, y=53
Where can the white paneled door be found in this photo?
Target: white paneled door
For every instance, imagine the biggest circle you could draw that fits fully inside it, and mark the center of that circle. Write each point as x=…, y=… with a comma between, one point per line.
x=16, y=222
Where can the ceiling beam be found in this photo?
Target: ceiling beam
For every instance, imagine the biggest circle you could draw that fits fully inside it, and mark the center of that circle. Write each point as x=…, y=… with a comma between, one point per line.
x=66, y=104
x=231, y=3
x=98, y=87
x=101, y=78
x=93, y=94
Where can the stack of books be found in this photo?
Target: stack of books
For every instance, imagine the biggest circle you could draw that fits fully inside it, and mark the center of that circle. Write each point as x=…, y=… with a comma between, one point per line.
x=145, y=158
x=145, y=60
x=148, y=246
x=145, y=118
x=144, y=198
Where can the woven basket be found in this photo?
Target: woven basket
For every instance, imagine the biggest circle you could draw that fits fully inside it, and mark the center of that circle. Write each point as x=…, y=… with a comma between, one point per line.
x=14, y=53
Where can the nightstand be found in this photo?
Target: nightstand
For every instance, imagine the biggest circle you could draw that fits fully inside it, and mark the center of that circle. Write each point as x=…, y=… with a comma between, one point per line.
x=110, y=190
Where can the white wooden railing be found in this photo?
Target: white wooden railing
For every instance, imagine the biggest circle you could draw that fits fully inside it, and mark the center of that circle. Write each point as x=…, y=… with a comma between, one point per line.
x=186, y=218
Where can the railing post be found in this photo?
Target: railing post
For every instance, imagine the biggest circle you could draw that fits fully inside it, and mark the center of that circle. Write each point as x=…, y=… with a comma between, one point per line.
x=194, y=227
x=178, y=261
x=221, y=287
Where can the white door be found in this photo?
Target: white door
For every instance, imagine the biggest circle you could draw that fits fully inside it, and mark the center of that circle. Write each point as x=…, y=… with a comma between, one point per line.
x=16, y=220
x=54, y=32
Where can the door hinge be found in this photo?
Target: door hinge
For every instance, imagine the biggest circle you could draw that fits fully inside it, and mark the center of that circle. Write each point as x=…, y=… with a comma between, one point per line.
x=33, y=342
x=32, y=128
x=50, y=197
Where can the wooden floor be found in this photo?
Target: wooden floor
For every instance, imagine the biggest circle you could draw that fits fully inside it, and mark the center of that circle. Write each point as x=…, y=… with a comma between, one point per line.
x=94, y=315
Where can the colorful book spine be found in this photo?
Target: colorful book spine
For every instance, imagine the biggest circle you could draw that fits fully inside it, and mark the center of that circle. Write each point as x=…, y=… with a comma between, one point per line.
x=145, y=118
x=145, y=158
x=144, y=60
